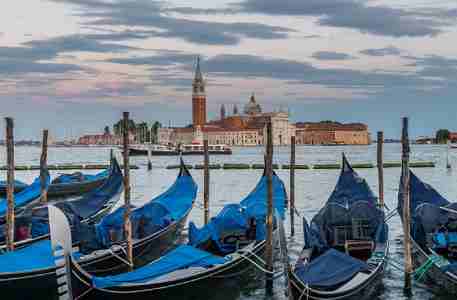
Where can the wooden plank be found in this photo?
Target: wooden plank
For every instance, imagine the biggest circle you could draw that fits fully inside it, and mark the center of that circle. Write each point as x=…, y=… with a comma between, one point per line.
x=206, y=180
x=292, y=186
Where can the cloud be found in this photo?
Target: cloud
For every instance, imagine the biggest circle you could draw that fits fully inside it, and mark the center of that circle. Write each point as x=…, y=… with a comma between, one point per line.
x=152, y=14
x=328, y=55
x=391, y=50
x=378, y=20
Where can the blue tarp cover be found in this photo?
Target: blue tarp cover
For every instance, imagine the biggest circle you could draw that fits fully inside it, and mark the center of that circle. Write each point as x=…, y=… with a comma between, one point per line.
x=36, y=256
x=235, y=217
x=179, y=258
x=351, y=199
x=72, y=178
x=330, y=269
x=24, y=197
x=156, y=214
x=17, y=184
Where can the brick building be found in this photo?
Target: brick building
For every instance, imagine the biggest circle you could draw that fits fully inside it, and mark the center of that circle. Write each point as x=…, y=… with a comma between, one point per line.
x=332, y=133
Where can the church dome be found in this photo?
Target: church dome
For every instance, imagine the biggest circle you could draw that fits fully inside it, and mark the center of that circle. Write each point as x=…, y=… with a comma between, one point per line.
x=252, y=107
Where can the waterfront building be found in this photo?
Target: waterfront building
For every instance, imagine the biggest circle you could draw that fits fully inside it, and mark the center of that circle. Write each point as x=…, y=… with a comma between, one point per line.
x=332, y=133
x=100, y=139
x=198, y=98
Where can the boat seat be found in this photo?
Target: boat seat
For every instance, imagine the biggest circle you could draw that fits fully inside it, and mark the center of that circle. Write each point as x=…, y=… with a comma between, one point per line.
x=357, y=245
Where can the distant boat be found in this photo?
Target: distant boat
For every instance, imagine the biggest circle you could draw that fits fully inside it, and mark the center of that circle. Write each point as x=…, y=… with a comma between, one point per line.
x=197, y=149
x=156, y=150
x=186, y=149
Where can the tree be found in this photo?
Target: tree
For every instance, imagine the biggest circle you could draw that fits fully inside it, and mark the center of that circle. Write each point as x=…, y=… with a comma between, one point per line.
x=442, y=136
x=155, y=132
x=107, y=130
x=118, y=128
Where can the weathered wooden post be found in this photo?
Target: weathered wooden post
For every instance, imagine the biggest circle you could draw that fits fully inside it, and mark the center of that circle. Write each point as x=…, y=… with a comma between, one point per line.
x=292, y=186
x=206, y=179
x=149, y=158
x=406, y=207
x=448, y=164
x=44, y=167
x=127, y=223
x=381, y=168
x=269, y=220
x=10, y=184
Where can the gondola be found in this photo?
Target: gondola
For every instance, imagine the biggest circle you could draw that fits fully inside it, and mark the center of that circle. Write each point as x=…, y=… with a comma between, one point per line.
x=24, y=199
x=86, y=209
x=66, y=185
x=30, y=272
x=346, y=245
x=433, y=235
x=226, y=247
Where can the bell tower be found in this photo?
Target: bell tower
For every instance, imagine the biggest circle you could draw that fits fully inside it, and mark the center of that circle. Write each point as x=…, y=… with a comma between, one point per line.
x=198, y=98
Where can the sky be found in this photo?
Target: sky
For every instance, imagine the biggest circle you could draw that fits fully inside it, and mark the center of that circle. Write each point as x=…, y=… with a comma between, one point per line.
x=73, y=66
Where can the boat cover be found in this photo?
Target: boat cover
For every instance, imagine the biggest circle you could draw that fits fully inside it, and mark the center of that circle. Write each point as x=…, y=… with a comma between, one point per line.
x=79, y=177
x=24, y=197
x=84, y=207
x=36, y=256
x=94, y=201
x=235, y=217
x=180, y=258
x=155, y=215
x=329, y=269
x=17, y=184
x=428, y=215
x=351, y=199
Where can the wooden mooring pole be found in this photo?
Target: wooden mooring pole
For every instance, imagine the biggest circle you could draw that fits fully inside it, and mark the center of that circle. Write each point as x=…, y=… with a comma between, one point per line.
x=10, y=184
x=269, y=221
x=406, y=207
x=44, y=167
x=127, y=223
x=292, y=186
x=380, y=155
x=206, y=180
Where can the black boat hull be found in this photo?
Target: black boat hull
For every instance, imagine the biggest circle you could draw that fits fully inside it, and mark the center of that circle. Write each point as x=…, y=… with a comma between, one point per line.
x=190, y=287
x=138, y=152
x=65, y=190
x=141, y=152
x=438, y=281
x=366, y=290
x=42, y=284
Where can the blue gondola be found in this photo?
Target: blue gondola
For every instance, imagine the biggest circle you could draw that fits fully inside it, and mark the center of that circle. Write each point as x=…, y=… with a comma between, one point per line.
x=222, y=249
x=101, y=246
x=346, y=244
x=433, y=234
x=66, y=185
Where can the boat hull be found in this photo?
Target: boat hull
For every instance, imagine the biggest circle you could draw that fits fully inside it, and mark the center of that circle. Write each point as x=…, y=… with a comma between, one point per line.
x=141, y=152
x=42, y=284
x=366, y=290
x=192, y=287
x=65, y=190
x=437, y=280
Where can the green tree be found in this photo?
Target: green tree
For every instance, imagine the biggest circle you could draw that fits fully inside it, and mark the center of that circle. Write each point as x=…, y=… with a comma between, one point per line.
x=118, y=128
x=107, y=130
x=442, y=136
x=155, y=132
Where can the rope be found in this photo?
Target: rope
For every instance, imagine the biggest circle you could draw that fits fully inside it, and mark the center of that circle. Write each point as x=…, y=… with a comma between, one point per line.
x=120, y=258
x=257, y=265
x=390, y=215
x=305, y=290
x=423, y=269
x=84, y=293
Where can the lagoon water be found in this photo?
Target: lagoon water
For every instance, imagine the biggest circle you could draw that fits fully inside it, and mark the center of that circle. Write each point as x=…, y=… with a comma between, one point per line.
x=312, y=189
